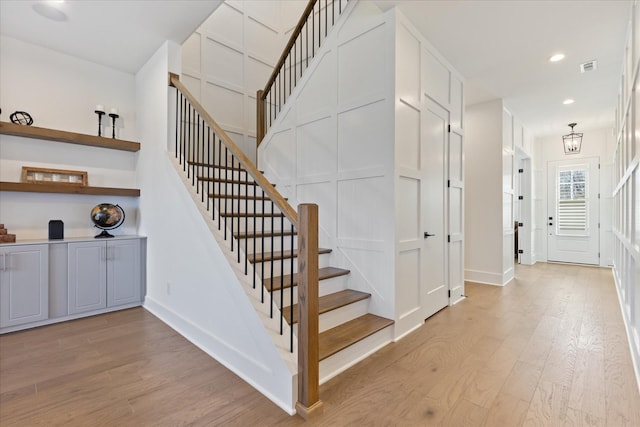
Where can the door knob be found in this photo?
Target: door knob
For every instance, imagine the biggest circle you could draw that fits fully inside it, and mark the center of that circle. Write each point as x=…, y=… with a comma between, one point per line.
x=426, y=234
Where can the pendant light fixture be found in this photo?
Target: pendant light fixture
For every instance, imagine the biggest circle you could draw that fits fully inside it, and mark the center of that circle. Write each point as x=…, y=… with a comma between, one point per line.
x=572, y=142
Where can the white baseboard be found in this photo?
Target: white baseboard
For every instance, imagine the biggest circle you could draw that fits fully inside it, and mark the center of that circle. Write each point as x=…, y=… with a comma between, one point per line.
x=633, y=348
x=484, y=277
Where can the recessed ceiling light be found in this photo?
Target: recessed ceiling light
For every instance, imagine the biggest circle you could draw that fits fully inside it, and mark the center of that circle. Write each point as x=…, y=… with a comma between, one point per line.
x=557, y=57
x=568, y=101
x=50, y=10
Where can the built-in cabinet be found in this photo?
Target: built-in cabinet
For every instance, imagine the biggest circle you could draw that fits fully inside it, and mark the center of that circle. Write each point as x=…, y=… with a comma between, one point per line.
x=103, y=274
x=56, y=281
x=24, y=280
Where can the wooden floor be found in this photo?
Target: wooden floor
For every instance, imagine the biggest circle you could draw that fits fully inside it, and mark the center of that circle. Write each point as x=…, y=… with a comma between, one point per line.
x=547, y=350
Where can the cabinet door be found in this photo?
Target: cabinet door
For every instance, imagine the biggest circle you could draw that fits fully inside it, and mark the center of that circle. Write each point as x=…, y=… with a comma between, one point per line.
x=123, y=272
x=87, y=276
x=24, y=285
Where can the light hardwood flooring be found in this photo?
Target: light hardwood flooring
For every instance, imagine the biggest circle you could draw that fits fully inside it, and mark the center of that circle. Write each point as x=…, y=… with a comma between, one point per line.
x=549, y=349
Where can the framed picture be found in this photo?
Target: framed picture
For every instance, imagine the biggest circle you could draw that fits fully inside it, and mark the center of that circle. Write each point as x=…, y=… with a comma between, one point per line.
x=35, y=175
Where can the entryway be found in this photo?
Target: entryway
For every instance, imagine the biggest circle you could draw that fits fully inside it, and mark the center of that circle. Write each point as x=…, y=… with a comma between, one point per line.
x=572, y=211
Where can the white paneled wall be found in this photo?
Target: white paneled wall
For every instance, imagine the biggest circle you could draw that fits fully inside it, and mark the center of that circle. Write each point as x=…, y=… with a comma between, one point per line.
x=332, y=145
x=232, y=55
x=428, y=101
x=626, y=190
x=349, y=140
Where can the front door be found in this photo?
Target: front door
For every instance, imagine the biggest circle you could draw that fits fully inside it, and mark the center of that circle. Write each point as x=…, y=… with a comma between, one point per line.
x=572, y=213
x=435, y=289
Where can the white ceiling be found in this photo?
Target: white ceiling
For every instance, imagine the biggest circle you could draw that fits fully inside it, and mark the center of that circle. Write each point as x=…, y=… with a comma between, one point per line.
x=119, y=34
x=500, y=47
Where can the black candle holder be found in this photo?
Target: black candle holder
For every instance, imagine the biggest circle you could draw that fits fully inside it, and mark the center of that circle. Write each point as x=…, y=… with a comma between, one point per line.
x=113, y=116
x=100, y=114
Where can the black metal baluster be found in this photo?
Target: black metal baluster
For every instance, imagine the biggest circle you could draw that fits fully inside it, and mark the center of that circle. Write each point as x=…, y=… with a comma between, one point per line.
x=186, y=143
x=255, y=202
x=194, y=152
x=262, y=243
x=239, y=200
x=313, y=32
x=230, y=201
x=333, y=12
x=226, y=188
x=220, y=195
x=306, y=42
x=246, y=223
x=182, y=127
x=272, y=262
x=291, y=293
x=177, y=119
x=326, y=17
x=282, y=275
x=209, y=168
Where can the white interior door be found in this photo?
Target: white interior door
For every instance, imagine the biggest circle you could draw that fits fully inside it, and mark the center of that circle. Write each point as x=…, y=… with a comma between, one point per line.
x=572, y=211
x=434, y=287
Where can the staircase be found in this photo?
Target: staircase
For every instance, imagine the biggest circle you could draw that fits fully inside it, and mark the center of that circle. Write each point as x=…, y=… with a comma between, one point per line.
x=262, y=232
x=300, y=296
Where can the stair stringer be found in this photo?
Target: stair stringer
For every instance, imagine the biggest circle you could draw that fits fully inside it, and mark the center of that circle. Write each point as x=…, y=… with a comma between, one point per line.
x=271, y=324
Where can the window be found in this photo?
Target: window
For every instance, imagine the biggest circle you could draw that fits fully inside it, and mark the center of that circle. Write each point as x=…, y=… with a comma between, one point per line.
x=572, y=199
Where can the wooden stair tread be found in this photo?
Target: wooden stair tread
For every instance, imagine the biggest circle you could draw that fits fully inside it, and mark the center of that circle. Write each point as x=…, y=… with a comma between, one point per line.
x=342, y=336
x=226, y=181
x=263, y=234
x=323, y=274
x=329, y=302
x=278, y=255
x=251, y=215
x=239, y=196
x=215, y=166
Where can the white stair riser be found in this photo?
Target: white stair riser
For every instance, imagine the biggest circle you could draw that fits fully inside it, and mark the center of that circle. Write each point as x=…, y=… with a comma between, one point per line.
x=341, y=315
x=229, y=205
x=277, y=266
x=341, y=361
x=326, y=287
x=278, y=243
x=239, y=224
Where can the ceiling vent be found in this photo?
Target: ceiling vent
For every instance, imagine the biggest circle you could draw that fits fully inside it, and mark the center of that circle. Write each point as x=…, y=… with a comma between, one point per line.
x=588, y=66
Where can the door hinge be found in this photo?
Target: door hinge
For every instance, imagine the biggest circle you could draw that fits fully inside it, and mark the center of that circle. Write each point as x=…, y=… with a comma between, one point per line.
x=448, y=183
x=520, y=251
x=520, y=170
x=598, y=195
x=598, y=254
x=448, y=238
x=520, y=197
x=598, y=225
x=521, y=224
x=449, y=293
x=449, y=128
x=598, y=165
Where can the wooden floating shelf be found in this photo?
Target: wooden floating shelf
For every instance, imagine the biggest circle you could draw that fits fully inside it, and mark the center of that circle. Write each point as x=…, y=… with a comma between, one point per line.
x=68, y=189
x=7, y=128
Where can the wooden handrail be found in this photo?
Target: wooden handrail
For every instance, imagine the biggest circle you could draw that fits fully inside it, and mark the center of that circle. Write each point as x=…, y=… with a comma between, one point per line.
x=247, y=164
x=292, y=40
x=309, y=403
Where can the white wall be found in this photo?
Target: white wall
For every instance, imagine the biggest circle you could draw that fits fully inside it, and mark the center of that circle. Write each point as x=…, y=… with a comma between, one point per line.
x=190, y=284
x=60, y=92
x=493, y=137
x=484, y=192
x=231, y=55
x=595, y=143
